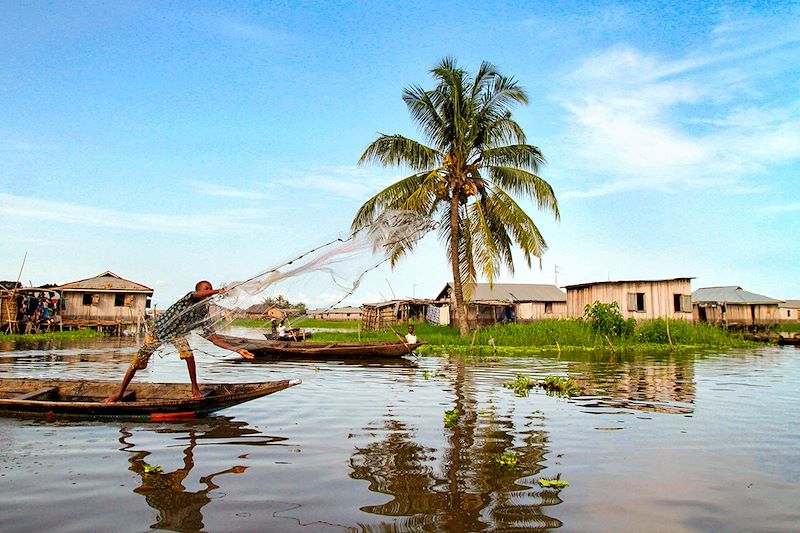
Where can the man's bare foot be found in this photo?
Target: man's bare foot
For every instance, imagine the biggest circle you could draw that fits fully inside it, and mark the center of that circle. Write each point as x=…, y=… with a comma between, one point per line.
x=196, y=394
x=112, y=399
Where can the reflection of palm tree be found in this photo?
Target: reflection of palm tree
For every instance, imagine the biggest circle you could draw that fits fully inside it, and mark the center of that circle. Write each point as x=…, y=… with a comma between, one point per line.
x=177, y=508
x=471, y=484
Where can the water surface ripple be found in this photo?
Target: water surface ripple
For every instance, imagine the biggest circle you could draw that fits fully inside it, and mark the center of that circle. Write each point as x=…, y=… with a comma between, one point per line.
x=680, y=442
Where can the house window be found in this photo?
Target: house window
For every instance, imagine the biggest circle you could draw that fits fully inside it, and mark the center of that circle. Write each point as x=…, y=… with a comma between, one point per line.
x=682, y=303
x=123, y=300
x=148, y=302
x=636, y=301
x=548, y=307
x=91, y=299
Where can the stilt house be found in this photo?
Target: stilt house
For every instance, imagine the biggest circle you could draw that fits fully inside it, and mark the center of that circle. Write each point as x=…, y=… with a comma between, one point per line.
x=638, y=299
x=106, y=301
x=504, y=302
x=789, y=311
x=734, y=306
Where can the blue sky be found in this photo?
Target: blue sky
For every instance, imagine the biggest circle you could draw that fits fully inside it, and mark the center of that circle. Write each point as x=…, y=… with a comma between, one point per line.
x=169, y=142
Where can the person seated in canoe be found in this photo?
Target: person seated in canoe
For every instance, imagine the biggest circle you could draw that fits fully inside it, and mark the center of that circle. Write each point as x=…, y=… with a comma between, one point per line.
x=185, y=315
x=282, y=328
x=411, y=338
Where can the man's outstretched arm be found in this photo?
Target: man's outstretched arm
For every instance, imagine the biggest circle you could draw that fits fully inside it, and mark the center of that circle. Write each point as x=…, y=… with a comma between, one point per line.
x=222, y=344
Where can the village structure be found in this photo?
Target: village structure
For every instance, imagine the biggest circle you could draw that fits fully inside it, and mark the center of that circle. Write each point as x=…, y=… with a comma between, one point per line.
x=117, y=305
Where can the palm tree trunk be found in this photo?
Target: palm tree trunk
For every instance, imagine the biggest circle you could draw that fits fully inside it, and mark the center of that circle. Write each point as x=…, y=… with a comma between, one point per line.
x=460, y=310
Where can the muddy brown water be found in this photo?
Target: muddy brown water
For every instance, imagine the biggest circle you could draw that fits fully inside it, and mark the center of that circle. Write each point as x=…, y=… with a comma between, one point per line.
x=682, y=442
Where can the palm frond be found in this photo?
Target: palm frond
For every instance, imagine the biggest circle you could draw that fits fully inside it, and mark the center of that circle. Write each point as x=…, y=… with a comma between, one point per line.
x=396, y=150
x=393, y=197
x=523, y=182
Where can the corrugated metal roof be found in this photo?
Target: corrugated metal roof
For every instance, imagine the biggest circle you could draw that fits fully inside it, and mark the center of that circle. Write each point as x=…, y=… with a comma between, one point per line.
x=514, y=292
x=107, y=281
x=584, y=285
x=730, y=294
x=791, y=304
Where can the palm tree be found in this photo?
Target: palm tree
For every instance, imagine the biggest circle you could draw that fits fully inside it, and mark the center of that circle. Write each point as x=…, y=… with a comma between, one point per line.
x=475, y=158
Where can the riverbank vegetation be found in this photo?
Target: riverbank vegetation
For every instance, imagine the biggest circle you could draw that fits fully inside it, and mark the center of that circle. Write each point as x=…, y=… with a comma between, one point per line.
x=540, y=336
x=52, y=336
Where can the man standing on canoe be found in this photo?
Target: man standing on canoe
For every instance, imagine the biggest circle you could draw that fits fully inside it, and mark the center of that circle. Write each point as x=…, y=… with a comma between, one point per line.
x=185, y=315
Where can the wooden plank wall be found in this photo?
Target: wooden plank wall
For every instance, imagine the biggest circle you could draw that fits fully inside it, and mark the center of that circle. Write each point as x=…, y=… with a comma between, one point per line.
x=104, y=309
x=536, y=311
x=659, y=298
x=736, y=314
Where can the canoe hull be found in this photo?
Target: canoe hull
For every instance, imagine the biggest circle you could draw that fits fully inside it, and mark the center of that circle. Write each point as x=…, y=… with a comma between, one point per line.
x=319, y=350
x=143, y=401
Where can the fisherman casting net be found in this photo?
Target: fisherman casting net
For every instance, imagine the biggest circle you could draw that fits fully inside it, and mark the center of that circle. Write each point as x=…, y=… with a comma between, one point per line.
x=331, y=272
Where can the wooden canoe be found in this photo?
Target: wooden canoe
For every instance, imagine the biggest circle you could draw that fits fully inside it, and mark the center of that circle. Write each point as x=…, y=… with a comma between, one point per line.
x=789, y=340
x=144, y=401
x=321, y=350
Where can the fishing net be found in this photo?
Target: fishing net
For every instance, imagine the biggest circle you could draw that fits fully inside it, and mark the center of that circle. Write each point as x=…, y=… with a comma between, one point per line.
x=331, y=272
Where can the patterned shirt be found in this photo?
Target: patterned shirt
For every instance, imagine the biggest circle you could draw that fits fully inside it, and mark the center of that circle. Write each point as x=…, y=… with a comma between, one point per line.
x=182, y=317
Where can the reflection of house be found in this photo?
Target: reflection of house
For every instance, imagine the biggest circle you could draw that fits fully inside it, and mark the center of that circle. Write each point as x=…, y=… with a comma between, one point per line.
x=501, y=302
x=666, y=388
x=789, y=311
x=337, y=313
x=639, y=299
x=105, y=301
x=731, y=305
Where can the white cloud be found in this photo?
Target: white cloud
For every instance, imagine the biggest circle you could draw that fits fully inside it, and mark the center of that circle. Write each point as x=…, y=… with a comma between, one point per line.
x=244, y=30
x=353, y=183
x=22, y=207
x=213, y=189
x=638, y=121
x=788, y=208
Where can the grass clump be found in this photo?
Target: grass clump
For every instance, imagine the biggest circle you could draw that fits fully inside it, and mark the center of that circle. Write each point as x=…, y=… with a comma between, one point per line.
x=451, y=418
x=553, y=483
x=521, y=385
x=560, y=386
x=508, y=459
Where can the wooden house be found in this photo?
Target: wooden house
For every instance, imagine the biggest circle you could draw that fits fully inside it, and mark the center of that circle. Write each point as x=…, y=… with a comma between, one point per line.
x=638, y=299
x=105, y=301
x=8, y=306
x=337, y=313
x=734, y=306
x=789, y=311
x=381, y=315
x=504, y=302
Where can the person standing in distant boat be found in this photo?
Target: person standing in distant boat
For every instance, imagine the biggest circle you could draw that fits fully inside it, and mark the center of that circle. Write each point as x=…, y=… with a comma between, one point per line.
x=185, y=315
x=410, y=337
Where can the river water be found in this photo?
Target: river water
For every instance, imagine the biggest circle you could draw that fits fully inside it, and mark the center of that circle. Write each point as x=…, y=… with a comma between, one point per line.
x=680, y=442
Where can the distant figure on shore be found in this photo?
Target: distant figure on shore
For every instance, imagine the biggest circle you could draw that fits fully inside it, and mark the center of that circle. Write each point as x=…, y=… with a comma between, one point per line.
x=185, y=315
x=410, y=337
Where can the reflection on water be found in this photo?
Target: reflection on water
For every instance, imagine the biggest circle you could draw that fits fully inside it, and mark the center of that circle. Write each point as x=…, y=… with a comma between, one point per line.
x=471, y=491
x=700, y=441
x=177, y=508
x=635, y=383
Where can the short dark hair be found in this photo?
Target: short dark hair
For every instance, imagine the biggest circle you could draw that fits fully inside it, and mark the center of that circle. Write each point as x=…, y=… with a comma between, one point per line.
x=197, y=286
